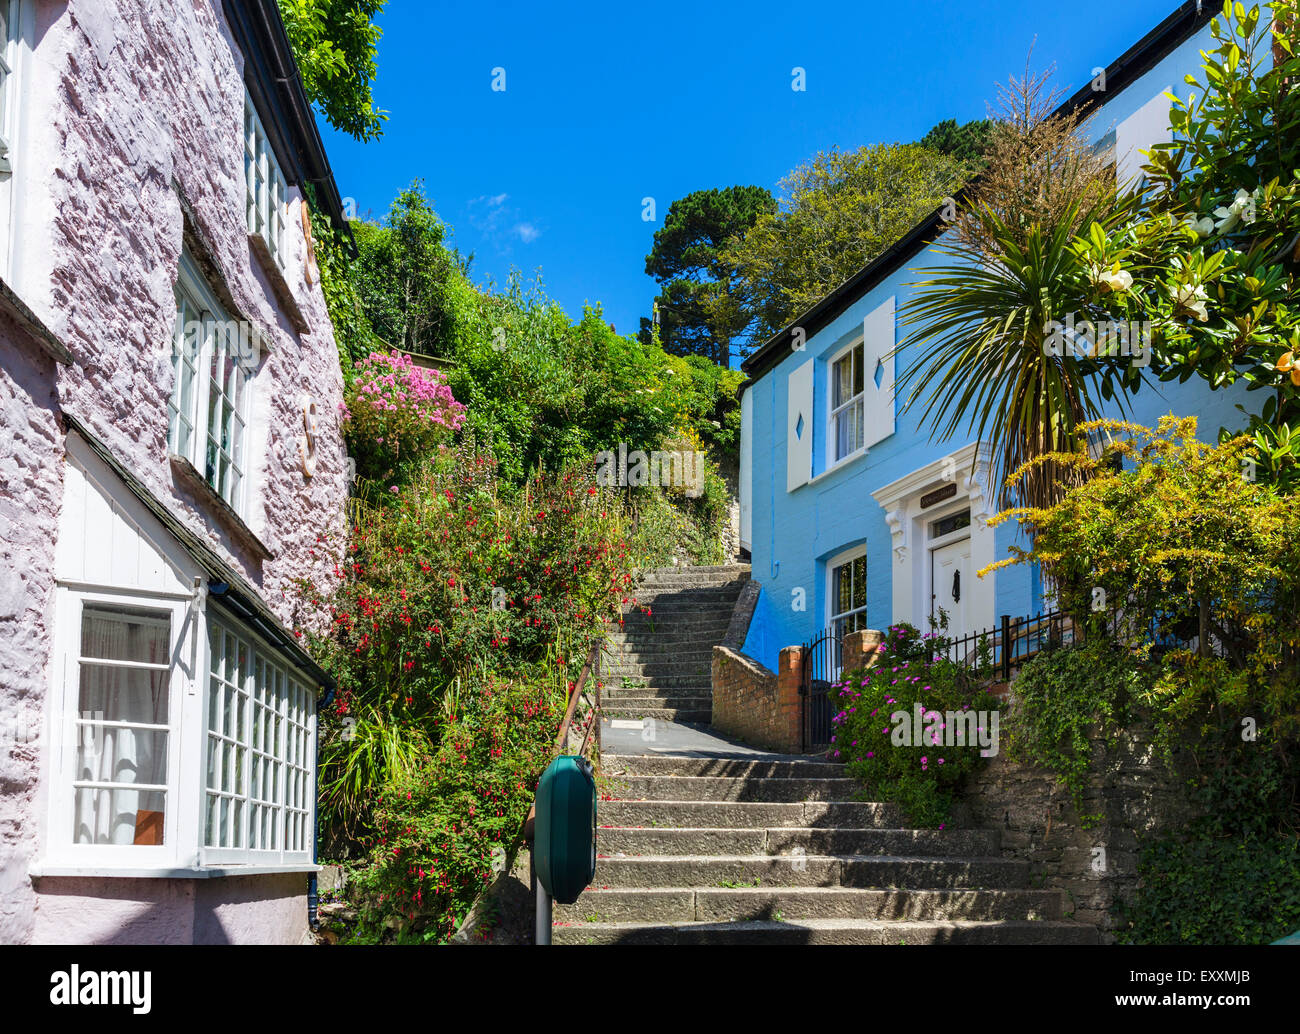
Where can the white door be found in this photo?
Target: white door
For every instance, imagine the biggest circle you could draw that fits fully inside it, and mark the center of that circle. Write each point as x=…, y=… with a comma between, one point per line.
x=950, y=584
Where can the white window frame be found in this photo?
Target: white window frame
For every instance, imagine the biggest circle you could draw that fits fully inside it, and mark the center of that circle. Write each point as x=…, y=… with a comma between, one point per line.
x=291, y=801
x=855, y=352
x=184, y=850
x=209, y=337
x=15, y=16
x=834, y=617
x=839, y=560
x=64, y=732
x=265, y=190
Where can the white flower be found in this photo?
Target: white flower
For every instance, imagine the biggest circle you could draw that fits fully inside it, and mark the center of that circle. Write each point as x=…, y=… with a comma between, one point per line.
x=1192, y=298
x=1203, y=226
x=1117, y=280
x=1242, y=210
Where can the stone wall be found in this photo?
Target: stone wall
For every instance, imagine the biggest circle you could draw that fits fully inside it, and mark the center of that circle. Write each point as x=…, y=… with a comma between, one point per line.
x=141, y=117
x=755, y=704
x=1131, y=791
x=31, y=476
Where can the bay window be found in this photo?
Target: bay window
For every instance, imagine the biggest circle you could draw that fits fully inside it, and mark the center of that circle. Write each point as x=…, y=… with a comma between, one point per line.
x=122, y=727
x=177, y=749
x=259, y=732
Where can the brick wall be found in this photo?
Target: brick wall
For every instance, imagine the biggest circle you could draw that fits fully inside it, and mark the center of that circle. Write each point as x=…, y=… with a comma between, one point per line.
x=755, y=704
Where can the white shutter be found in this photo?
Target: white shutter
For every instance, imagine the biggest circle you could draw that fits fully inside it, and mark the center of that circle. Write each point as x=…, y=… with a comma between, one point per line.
x=799, y=427
x=878, y=373
x=1147, y=126
x=746, y=465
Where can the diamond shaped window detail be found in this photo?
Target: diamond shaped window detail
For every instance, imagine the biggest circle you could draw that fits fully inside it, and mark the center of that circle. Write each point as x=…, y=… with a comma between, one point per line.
x=798, y=428
x=880, y=372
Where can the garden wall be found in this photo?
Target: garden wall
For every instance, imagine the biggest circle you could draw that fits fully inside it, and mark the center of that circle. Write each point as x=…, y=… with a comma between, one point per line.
x=750, y=701
x=1130, y=788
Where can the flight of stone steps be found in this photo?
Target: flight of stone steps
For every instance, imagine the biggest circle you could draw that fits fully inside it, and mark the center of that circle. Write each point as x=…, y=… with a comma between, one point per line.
x=658, y=665
x=723, y=850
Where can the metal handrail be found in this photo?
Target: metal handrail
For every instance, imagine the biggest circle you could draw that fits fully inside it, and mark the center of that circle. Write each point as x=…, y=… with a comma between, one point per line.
x=593, y=660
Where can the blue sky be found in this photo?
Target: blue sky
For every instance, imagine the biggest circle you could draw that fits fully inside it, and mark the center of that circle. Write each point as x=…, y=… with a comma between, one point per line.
x=607, y=104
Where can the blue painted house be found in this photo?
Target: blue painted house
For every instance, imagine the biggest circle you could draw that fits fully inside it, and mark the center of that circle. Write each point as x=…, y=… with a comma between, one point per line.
x=852, y=515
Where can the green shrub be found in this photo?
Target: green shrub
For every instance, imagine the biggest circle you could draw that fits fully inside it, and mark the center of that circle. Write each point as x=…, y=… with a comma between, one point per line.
x=1068, y=699
x=449, y=824
x=1232, y=876
x=875, y=714
x=457, y=580
x=1199, y=888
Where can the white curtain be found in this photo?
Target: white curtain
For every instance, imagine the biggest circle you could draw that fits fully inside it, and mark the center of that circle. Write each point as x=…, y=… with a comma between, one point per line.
x=113, y=754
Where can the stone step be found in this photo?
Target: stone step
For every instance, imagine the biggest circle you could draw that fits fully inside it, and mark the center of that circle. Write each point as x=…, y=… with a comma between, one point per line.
x=685, y=606
x=650, y=669
x=682, y=683
x=657, y=651
x=662, y=764
x=829, y=931
x=719, y=572
x=644, y=642
x=704, y=616
x=686, y=715
x=748, y=814
x=725, y=788
x=795, y=841
x=726, y=905
x=634, y=698
x=872, y=871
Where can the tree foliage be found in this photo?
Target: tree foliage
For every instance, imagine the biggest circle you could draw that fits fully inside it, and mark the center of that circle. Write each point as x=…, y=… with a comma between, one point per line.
x=966, y=142
x=1217, y=242
x=404, y=274
x=334, y=42
x=837, y=212
x=684, y=259
x=1040, y=169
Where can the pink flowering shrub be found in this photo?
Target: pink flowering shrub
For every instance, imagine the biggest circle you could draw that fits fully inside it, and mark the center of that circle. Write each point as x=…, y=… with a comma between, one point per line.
x=396, y=412
x=920, y=759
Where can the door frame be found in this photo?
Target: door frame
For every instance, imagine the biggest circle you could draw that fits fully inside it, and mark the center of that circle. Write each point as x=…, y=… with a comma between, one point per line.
x=909, y=524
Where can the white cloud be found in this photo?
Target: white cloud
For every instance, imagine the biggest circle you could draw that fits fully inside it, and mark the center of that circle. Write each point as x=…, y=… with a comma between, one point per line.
x=500, y=224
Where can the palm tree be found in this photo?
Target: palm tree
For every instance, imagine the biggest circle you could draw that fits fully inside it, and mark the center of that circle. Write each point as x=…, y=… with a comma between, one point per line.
x=982, y=323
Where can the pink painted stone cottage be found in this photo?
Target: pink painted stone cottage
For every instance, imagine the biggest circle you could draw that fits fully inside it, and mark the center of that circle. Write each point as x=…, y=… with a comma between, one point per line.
x=170, y=464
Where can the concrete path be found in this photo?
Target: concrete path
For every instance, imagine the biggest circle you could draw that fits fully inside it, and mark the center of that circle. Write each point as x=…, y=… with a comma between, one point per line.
x=678, y=739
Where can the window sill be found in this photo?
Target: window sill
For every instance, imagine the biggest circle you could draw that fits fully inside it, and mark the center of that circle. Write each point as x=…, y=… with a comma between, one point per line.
x=14, y=306
x=279, y=284
x=189, y=474
x=184, y=872
x=840, y=464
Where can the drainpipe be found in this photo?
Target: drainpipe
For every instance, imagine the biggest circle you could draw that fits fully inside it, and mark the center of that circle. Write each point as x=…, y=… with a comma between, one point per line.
x=313, y=897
